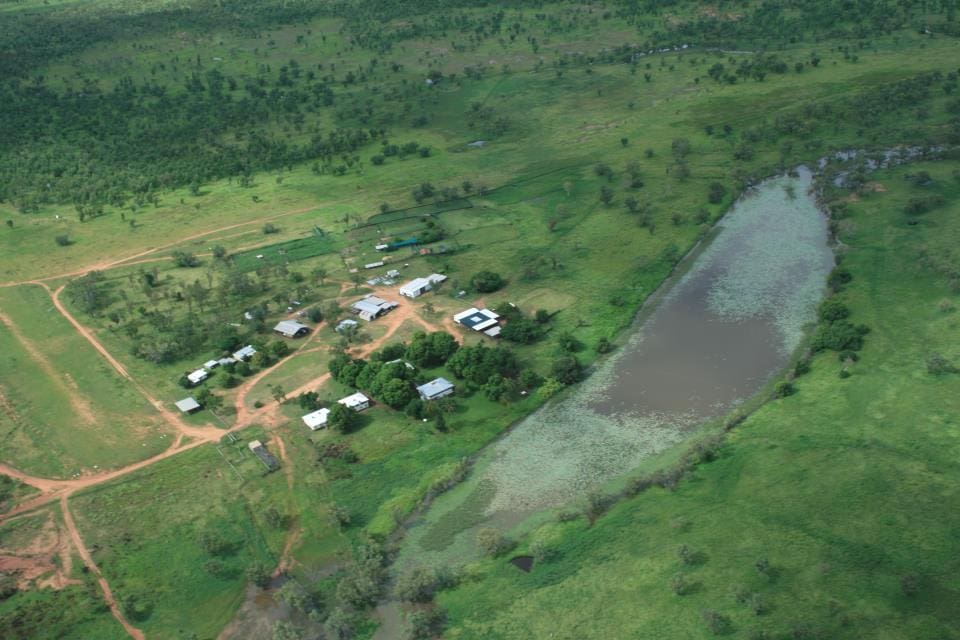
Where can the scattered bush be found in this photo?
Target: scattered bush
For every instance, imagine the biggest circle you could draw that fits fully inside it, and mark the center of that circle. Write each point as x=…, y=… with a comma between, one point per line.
x=680, y=585
x=492, y=542
x=938, y=365
x=63, y=240
x=269, y=228
x=716, y=622
x=832, y=309
x=784, y=389
x=716, y=193
x=416, y=585
x=567, y=370
x=486, y=281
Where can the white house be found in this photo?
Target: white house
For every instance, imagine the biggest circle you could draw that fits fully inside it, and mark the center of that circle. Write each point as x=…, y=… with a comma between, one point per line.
x=245, y=353
x=372, y=307
x=419, y=286
x=439, y=388
x=291, y=329
x=198, y=376
x=357, y=401
x=211, y=364
x=317, y=419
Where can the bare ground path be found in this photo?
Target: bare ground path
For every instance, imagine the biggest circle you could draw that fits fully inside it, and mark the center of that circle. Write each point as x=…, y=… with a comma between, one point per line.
x=115, y=609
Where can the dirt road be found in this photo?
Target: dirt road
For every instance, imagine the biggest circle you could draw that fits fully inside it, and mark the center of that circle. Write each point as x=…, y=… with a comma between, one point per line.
x=115, y=609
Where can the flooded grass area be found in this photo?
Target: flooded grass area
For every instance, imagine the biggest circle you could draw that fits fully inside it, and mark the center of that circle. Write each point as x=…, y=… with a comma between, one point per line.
x=714, y=337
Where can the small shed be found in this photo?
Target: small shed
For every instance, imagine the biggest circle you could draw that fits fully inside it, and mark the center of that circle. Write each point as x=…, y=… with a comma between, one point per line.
x=188, y=405
x=291, y=329
x=345, y=324
x=439, y=388
x=317, y=419
x=357, y=401
x=211, y=364
x=245, y=353
x=198, y=376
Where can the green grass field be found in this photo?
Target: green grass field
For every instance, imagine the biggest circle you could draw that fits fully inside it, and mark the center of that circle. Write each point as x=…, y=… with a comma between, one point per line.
x=844, y=488
x=66, y=410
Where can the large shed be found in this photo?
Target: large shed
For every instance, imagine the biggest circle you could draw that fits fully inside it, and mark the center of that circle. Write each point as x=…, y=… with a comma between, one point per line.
x=291, y=329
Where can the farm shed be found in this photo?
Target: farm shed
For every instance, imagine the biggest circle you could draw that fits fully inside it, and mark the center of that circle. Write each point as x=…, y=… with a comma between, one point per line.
x=418, y=286
x=198, y=376
x=187, y=405
x=372, y=307
x=439, y=388
x=316, y=419
x=291, y=329
x=271, y=463
x=357, y=401
x=245, y=353
x=344, y=324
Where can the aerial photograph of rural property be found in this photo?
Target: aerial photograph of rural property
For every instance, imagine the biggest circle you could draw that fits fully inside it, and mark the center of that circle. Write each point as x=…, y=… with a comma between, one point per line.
x=479, y=319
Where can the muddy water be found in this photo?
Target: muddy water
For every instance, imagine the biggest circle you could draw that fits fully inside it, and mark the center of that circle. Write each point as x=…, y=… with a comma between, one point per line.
x=714, y=336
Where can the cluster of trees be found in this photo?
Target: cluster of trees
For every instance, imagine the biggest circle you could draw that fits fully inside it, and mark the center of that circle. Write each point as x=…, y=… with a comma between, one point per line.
x=392, y=381
x=835, y=331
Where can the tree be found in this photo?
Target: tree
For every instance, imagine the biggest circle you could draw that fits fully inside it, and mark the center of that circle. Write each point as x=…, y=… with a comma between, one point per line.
x=567, y=369
x=486, y=281
x=606, y=195
x=278, y=394
x=416, y=585
x=269, y=228
x=309, y=400
x=342, y=418
x=397, y=393
x=716, y=192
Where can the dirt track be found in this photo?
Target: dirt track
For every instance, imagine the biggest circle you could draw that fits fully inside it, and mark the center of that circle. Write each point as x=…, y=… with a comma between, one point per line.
x=187, y=437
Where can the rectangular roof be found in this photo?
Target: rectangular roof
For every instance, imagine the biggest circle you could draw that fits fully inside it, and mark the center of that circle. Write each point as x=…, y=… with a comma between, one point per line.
x=435, y=388
x=244, y=353
x=187, y=405
x=316, y=419
x=197, y=376
x=354, y=400
x=477, y=319
x=290, y=327
x=210, y=364
x=415, y=285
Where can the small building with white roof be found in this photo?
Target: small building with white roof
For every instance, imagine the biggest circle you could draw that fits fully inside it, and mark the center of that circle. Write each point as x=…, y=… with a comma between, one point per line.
x=211, y=364
x=439, y=388
x=357, y=401
x=187, y=405
x=198, y=376
x=316, y=419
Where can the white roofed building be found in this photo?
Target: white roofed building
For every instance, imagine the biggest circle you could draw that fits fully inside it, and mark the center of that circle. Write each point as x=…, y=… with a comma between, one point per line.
x=439, y=388
x=245, y=353
x=357, y=401
x=316, y=419
x=198, y=376
x=372, y=307
x=419, y=286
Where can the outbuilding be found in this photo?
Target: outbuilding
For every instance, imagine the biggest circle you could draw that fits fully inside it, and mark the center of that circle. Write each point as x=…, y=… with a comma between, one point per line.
x=188, y=405
x=198, y=376
x=211, y=364
x=291, y=329
x=317, y=419
x=357, y=401
x=346, y=324
x=245, y=353
x=372, y=307
x=271, y=463
x=439, y=388
x=419, y=286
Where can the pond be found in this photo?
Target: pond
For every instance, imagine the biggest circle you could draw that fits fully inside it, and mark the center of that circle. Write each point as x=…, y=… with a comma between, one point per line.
x=712, y=337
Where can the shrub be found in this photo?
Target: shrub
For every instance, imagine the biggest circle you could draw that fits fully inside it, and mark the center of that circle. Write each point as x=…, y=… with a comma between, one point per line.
x=716, y=622
x=832, y=309
x=938, y=365
x=909, y=585
x=416, y=585
x=839, y=277
x=603, y=345
x=492, y=542
x=63, y=240
x=680, y=585
x=486, y=281
x=566, y=369
x=716, y=192
x=839, y=336
x=784, y=389
x=542, y=552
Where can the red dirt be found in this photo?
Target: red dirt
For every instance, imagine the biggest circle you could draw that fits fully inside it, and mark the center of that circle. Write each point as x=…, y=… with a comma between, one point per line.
x=134, y=633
